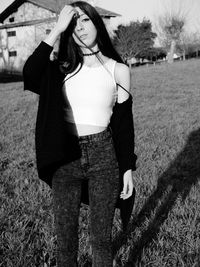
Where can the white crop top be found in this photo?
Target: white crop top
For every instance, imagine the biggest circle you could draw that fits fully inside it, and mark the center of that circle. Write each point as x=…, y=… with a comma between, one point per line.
x=91, y=93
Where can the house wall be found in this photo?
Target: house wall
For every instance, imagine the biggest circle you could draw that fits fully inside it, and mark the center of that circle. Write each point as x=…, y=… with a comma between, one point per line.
x=14, y=50
x=28, y=11
x=26, y=38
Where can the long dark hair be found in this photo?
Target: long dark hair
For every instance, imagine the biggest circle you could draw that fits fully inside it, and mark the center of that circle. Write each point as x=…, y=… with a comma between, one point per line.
x=70, y=54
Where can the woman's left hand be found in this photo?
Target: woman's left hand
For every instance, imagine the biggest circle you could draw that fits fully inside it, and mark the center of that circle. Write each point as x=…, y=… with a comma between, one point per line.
x=128, y=185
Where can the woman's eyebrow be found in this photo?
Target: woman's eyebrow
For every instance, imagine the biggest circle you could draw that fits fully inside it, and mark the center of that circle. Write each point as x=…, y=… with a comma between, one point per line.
x=82, y=15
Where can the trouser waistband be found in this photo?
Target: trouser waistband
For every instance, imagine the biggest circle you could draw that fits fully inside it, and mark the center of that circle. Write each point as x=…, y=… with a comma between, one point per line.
x=95, y=137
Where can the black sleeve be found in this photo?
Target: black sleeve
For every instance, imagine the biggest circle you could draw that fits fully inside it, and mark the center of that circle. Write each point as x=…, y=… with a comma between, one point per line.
x=122, y=126
x=35, y=66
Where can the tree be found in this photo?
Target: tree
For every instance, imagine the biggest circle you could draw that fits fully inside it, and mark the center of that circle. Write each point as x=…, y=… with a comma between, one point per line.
x=134, y=39
x=195, y=40
x=189, y=45
x=170, y=27
x=155, y=53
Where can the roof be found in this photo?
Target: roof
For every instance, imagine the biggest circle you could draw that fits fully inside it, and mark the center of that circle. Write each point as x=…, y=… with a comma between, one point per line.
x=52, y=5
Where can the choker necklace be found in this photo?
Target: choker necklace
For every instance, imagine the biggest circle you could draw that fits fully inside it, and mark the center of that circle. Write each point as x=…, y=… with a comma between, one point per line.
x=91, y=54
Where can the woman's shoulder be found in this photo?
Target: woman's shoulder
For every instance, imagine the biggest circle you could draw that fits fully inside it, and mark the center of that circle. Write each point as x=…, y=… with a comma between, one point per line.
x=122, y=77
x=122, y=73
x=122, y=69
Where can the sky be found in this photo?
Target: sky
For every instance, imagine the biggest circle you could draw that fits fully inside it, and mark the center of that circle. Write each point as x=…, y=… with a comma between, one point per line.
x=4, y=3
x=150, y=9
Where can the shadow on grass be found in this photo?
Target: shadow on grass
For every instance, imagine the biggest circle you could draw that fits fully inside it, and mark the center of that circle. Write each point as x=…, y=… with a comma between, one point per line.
x=10, y=77
x=175, y=182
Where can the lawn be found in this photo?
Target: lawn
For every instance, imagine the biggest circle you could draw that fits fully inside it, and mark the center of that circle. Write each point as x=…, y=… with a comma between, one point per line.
x=165, y=224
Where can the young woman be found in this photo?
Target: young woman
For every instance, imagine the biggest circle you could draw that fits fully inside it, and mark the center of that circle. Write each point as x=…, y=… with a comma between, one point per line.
x=84, y=129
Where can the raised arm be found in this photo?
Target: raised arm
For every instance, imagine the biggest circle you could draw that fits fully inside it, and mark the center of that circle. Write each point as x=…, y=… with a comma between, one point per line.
x=63, y=22
x=37, y=63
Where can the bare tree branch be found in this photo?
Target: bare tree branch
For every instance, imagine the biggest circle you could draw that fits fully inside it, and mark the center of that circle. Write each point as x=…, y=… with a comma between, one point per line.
x=170, y=27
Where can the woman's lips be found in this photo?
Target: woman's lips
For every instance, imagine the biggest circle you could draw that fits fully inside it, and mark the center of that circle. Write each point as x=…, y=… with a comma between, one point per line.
x=83, y=36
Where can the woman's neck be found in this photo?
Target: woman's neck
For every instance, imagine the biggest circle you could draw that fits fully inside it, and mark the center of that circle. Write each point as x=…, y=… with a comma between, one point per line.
x=93, y=60
x=90, y=55
x=86, y=50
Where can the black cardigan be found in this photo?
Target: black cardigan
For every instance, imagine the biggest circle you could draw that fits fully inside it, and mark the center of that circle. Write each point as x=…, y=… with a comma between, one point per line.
x=54, y=145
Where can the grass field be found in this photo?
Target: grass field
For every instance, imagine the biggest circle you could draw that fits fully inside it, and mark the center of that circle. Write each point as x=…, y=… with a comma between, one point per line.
x=165, y=226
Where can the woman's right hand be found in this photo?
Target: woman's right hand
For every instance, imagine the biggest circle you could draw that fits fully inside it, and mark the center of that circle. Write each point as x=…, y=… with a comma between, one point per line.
x=65, y=18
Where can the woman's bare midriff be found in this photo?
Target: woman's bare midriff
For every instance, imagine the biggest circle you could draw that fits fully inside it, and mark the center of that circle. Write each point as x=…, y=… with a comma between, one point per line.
x=89, y=129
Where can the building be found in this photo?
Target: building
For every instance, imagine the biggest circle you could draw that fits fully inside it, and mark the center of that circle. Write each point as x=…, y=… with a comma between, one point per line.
x=24, y=23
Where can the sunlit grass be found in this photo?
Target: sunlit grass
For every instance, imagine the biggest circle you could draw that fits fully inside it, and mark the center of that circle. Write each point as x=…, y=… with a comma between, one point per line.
x=165, y=225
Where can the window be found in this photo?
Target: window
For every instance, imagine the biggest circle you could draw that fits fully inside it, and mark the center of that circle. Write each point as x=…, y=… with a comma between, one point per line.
x=11, y=33
x=12, y=53
x=11, y=19
x=48, y=31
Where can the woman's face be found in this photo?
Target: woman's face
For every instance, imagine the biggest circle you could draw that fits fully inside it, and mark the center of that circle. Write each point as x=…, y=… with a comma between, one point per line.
x=85, y=32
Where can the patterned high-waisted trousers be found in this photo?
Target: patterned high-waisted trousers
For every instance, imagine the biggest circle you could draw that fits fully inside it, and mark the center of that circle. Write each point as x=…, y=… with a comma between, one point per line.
x=98, y=164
